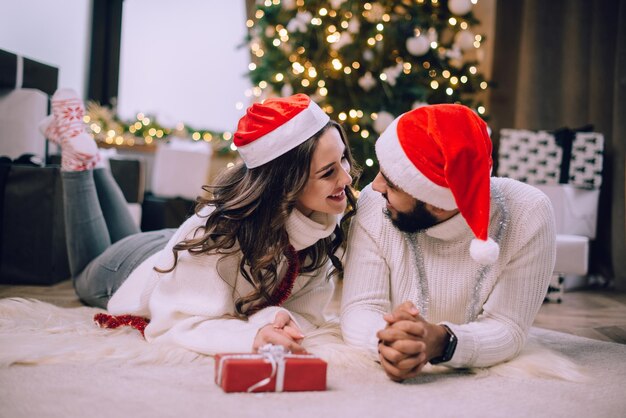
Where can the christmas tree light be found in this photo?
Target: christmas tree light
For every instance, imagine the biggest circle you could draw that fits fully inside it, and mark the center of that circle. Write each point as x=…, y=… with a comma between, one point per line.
x=366, y=63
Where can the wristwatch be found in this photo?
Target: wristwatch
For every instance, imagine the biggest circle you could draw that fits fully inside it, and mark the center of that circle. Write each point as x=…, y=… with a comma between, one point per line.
x=448, y=350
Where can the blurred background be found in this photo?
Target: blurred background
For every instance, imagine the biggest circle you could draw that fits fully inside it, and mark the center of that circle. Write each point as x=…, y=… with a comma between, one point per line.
x=165, y=83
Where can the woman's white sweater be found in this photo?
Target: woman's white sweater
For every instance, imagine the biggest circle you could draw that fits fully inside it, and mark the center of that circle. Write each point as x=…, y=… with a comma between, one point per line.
x=190, y=306
x=381, y=273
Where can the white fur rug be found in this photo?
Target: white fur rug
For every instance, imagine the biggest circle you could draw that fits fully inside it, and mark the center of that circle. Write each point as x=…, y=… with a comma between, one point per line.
x=35, y=332
x=55, y=362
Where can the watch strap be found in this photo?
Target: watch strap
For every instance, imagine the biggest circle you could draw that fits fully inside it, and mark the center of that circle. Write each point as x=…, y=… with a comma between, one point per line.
x=448, y=350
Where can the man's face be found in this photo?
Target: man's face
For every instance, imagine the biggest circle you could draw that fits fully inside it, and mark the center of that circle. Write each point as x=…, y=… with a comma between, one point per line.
x=405, y=212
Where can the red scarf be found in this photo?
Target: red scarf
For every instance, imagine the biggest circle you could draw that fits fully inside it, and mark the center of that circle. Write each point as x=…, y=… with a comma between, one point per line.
x=283, y=290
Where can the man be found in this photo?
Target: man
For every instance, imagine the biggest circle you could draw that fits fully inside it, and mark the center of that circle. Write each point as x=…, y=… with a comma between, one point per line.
x=444, y=263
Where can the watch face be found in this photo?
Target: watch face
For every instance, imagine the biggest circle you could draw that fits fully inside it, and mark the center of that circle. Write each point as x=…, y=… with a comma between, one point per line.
x=449, y=349
x=451, y=346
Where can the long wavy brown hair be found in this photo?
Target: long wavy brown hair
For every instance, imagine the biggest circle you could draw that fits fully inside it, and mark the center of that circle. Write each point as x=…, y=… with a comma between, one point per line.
x=251, y=207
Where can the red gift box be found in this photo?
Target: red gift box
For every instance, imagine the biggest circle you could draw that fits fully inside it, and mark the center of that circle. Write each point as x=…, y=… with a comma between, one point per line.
x=270, y=370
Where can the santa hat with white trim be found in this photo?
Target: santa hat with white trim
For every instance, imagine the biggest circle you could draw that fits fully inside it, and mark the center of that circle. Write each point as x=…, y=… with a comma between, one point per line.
x=270, y=129
x=441, y=155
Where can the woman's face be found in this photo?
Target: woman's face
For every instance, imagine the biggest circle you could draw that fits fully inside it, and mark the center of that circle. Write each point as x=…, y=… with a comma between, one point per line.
x=328, y=178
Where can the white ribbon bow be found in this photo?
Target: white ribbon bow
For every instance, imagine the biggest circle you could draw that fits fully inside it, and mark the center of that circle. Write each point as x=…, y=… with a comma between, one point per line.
x=275, y=354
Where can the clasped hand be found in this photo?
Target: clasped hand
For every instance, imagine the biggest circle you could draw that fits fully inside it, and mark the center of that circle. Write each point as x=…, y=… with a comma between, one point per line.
x=283, y=331
x=408, y=342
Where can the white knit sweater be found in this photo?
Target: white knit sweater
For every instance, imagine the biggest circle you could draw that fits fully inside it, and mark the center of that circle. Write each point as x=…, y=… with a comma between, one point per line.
x=381, y=273
x=189, y=305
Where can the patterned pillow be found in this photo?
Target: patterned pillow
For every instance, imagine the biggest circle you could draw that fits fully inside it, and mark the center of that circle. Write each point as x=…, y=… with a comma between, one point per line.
x=534, y=157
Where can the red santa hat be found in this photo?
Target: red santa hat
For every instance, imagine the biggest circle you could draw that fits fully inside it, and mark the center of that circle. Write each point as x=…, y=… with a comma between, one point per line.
x=441, y=155
x=270, y=129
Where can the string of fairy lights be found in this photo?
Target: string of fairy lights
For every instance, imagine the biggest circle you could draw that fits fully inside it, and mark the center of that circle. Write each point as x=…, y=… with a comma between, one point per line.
x=107, y=129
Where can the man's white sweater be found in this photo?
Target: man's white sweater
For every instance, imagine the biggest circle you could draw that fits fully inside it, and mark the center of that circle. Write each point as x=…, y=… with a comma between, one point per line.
x=381, y=273
x=192, y=305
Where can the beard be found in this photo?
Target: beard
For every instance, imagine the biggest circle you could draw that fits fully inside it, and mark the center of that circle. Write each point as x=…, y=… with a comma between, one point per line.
x=416, y=220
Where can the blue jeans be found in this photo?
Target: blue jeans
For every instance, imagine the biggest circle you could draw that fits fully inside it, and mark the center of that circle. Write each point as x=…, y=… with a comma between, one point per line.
x=104, y=245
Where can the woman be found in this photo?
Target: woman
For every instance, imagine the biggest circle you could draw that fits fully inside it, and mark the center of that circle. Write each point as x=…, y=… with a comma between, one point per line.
x=251, y=267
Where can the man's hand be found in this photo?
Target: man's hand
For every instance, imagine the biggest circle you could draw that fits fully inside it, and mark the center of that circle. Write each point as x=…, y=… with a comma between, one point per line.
x=408, y=342
x=283, y=331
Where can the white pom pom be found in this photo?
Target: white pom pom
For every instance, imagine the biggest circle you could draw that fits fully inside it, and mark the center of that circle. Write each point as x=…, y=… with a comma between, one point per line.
x=484, y=252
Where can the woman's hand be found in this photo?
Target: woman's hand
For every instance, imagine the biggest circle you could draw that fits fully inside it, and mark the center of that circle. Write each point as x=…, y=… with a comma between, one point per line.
x=283, y=331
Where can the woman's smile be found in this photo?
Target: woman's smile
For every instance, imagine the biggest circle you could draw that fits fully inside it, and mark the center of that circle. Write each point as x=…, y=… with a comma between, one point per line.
x=338, y=197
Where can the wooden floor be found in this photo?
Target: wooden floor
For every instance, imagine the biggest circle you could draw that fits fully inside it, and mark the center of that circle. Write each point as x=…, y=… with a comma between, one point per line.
x=597, y=314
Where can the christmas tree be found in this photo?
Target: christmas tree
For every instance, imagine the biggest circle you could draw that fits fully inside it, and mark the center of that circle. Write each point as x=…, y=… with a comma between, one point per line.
x=366, y=63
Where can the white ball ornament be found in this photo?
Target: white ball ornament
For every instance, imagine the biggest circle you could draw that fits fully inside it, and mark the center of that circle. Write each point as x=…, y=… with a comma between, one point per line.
x=460, y=7
x=418, y=45
x=383, y=120
x=465, y=40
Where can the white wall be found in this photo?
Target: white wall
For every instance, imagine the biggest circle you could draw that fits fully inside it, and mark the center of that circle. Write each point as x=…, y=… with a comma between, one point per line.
x=57, y=33
x=180, y=62
x=179, y=59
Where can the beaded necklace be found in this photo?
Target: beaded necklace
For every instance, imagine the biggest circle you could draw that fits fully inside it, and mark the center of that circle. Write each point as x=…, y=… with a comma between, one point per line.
x=472, y=309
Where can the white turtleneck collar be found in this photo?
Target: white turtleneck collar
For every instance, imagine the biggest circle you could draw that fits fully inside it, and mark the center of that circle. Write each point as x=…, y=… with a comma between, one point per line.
x=305, y=231
x=455, y=227
x=450, y=229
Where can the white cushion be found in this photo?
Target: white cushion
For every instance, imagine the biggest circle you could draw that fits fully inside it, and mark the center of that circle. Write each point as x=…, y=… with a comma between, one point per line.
x=571, y=254
x=21, y=111
x=181, y=168
x=575, y=209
